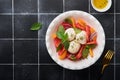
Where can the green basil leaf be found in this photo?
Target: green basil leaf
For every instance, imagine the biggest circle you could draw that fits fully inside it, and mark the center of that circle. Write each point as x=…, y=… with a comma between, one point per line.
x=66, y=44
x=77, y=30
x=90, y=46
x=68, y=20
x=36, y=26
x=72, y=57
x=85, y=52
x=59, y=47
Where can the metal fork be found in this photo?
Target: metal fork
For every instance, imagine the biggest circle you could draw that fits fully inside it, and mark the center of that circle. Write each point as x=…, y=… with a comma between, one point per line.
x=106, y=61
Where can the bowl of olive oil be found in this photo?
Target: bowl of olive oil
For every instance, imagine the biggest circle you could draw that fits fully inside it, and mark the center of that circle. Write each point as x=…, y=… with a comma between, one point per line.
x=101, y=5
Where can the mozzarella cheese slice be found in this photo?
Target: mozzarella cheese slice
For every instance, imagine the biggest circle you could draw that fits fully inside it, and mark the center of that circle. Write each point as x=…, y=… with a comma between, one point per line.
x=74, y=47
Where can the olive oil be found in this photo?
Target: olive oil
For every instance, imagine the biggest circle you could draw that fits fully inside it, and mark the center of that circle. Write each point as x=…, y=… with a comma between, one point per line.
x=100, y=4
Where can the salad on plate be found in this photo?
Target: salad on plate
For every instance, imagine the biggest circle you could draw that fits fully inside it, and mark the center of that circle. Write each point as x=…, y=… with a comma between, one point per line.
x=74, y=39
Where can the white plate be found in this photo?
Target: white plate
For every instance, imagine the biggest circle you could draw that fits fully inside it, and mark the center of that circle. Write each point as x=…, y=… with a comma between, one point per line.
x=84, y=63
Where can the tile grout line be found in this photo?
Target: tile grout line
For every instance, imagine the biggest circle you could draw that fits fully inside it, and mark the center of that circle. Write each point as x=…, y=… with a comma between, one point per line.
x=38, y=41
x=29, y=13
x=89, y=6
x=63, y=5
x=13, y=34
x=63, y=68
x=89, y=13
x=114, y=39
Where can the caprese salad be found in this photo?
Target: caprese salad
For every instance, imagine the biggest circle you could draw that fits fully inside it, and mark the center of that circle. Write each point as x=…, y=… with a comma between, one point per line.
x=74, y=39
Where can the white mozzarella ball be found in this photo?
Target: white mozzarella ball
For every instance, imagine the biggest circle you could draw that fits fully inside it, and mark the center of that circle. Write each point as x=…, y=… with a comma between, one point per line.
x=81, y=37
x=71, y=33
x=74, y=47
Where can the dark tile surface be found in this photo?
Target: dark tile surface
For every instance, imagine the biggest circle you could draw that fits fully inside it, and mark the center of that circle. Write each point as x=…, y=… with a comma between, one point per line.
x=5, y=6
x=111, y=10
x=23, y=24
x=117, y=25
x=51, y=73
x=51, y=6
x=6, y=72
x=44, y=55
x=108, y=46
x=5, y=26
x=45, y=20
x=26, y=51
x=117, y=51
x=25, y=6
x=77, y=74
x=6, y=52
x=95, y=72
x=76, y=5
x=107, y=21
x=118, y=72
x=118, y=6
x=26, y=72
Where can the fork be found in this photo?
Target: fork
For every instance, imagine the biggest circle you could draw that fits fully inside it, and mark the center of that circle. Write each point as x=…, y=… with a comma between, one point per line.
x=106, y=61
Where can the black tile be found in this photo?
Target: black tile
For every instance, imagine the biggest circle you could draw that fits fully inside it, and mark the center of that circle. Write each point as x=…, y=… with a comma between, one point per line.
x=51, y=72
x=117, y=72
x=6, y=72
x=26, y=72
x=26, y=51
x=50, y=6
x=45, y=20
x=107, y=21
x=23, y=24
x=5, y=26
x=111, y=10
x=76, y=5
x=44, y=55
x=118, y=6
x=25, y=6
x=5, y=6
x=107, y=75
x=117, y=55
x=77, y=74
x=6, y=52
x=108, y=46
x=117, y=25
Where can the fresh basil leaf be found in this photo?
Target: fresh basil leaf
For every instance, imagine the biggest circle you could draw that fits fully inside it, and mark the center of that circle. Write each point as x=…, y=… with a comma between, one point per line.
x=85, y=52
x=90, y=46
x=60, y=35
x=60, y=32
x=65, y=37
x=59, y=47
x=68, y=20
x=72, y=57
x=77, y=30
x=61, y=29
x=66, y=44
x=36, y=26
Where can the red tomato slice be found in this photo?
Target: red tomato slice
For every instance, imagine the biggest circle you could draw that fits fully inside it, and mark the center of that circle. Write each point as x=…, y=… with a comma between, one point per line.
x=57, y=41
x=88, y=33
x=92, y=42
x=60, y=52
x=79, y=55
x=79, y=26
x=66, y=25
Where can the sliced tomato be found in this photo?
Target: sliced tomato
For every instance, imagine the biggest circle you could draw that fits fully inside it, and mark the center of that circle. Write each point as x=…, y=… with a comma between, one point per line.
x=63, y=55
x=57, y=41
x=79, y=26
x=60, y=52
x=79, y=55
x=82, y=22
x=66, y=25
x=88, y=33
x=92, y=42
